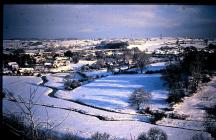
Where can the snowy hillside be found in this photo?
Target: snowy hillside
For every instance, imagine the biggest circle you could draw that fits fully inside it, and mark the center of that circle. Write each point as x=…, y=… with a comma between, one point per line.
x=75, y=122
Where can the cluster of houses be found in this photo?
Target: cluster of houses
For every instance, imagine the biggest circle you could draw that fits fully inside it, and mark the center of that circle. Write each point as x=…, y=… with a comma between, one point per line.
x=45, y=62
x=13, y=68
x=168, y=50
x=51, y=61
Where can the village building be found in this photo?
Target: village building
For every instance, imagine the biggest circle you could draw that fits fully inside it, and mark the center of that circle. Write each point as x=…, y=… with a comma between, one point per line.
x=26, y=71
x=13, y=65
x=61, y=61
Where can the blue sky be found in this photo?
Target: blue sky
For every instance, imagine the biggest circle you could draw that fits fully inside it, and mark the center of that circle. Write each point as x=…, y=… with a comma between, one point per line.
x=108, y=21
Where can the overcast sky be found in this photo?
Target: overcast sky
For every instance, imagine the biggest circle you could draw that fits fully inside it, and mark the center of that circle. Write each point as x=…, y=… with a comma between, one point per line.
x=108, y=21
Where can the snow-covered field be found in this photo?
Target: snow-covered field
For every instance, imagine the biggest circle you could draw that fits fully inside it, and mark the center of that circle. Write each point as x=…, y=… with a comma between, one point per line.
x=81, y=63
x=112, y=92
x=56, y=80
x=155, y=43
x=85, y=124
x=156, y=66
x=23, y=86
x=99, y=73
x=151, y=67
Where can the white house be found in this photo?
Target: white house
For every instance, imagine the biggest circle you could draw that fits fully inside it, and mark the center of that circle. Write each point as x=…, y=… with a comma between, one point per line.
x=13, y=65
x=48, y=64
x=23, y=70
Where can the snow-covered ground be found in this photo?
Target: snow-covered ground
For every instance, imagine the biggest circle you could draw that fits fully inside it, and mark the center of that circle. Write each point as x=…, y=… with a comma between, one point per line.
x=24, y=85
x=85, y=126
x=21, y=85
x=82, y=124
x=156, y=66
x=56, y=80
x=155, y=43
x=99, y=73
x=112, y=92
x=194, y=107
x=81, y=63
x=151, y=67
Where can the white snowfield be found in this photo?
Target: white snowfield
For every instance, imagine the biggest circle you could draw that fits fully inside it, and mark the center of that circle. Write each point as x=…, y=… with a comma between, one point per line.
x=85, y=126
x=94, y=74
x=156, y=66
x=22, y=88
x=155, y=43
x=78, y=123
x=81, y=63
x=112, y=92
x=56, y=80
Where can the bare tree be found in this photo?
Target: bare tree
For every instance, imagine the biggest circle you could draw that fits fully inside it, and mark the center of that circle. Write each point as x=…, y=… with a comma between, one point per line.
x=139, y=98
x=154, y=133
x=28, y=109
x=110, y=68
x=127, y=55
x=100, y=55
x=141, y=60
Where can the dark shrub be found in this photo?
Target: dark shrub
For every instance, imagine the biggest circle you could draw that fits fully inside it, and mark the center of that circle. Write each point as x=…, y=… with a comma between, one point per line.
x=100, y=136
x=176, y=93
x=206, y=78
x=15, y=121
x=177, y=116
x=156, y=134
x=142, y=136
x=71, y=84
x=210, y=122
x=157, y=115
x=200, y=136
x=70, y=137
x=38, y=75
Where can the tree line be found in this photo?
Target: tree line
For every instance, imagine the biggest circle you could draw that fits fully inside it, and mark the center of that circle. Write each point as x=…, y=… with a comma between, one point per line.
x=194, y=67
